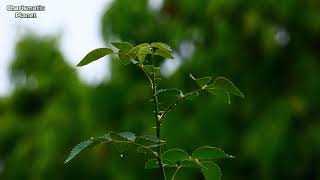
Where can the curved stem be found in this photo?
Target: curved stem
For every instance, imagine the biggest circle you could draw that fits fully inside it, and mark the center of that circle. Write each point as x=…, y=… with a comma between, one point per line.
x=149, y=78
x=175, y=172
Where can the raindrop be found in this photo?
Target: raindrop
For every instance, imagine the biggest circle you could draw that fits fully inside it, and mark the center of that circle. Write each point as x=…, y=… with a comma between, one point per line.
x=121, y=155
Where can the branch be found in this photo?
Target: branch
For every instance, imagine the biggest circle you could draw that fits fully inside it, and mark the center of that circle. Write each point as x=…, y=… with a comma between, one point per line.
x=171, y=106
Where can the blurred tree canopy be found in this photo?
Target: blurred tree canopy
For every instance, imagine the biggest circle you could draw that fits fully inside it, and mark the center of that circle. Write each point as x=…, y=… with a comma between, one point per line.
x=270, y=49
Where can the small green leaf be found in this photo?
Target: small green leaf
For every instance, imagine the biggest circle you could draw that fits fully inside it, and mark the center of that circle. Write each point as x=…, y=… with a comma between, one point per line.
x=161, y=45
x=202, y=82
x=163, y=53
x=123, y=46
x=78, y=148
x=150, y=69
x=133, y=53
x=220, y=94
x=153, y=163
x=227, y=85
x=95, y=55
x=125, y=59
x=208, y=152
x=211, y=171
x=143, y=52
x=175, y=155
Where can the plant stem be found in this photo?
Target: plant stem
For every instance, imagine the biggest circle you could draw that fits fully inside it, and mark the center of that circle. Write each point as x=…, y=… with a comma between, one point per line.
x=158, y=123
x=175, y=172
x=170, y=107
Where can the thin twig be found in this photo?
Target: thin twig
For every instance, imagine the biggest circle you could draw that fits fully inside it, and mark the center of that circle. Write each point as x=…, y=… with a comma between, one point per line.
x=171, y=106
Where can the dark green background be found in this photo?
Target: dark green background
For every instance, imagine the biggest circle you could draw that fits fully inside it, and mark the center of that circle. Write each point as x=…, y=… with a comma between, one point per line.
x=274, y=132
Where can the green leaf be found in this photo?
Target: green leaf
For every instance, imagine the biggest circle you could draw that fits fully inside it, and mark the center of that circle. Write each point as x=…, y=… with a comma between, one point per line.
x=153, y=163
x=133, y=53
x=175, y=155
x=150, y=69
x=211, y=171
x=143, y=52
x=220, y=94
x=123, y=136
x=123, y=46
x=148, y=141
x=164, y=53
x=190, y=164
x=121, y=140
x=208, y=152
x=79, y=148
x=202, y=82
x=161, y=45
x=125, y=59
x=95, y=55
x=227, y=85
x=105, y=137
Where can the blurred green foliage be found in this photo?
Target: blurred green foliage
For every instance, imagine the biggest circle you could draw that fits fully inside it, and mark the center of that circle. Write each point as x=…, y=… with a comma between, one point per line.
x=270, y=49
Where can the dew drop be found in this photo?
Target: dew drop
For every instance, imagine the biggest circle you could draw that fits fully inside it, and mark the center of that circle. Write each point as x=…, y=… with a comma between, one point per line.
x=121, y=155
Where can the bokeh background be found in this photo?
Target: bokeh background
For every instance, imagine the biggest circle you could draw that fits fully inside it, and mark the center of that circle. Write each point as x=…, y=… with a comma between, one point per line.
x=269, y=49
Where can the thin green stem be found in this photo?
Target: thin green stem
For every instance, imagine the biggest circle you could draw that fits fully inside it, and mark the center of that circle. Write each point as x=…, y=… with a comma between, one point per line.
x=158, y=123
x=171, y=106
x=175, y=172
